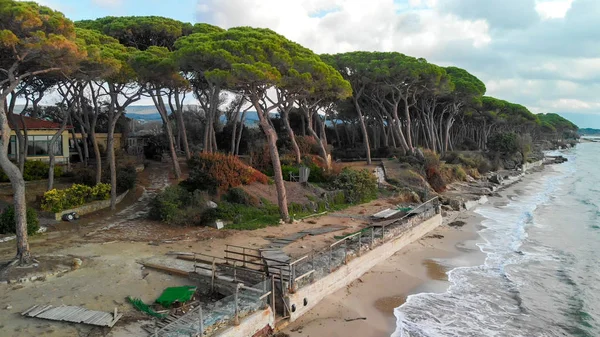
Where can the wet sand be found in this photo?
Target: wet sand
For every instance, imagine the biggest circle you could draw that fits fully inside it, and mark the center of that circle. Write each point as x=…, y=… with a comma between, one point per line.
x=420, y=267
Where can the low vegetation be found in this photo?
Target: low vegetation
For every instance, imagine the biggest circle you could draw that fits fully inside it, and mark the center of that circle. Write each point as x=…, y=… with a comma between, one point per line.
x=7, y=221
x=35, y=170
x=126, y=177
x=77, y=195
x=217, y=173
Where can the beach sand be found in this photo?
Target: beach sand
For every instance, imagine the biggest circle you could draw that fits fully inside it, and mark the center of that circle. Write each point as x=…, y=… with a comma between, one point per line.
x=371, y=299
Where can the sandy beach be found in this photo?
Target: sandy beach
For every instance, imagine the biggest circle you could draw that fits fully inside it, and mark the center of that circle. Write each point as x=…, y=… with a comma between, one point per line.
x=366, y=307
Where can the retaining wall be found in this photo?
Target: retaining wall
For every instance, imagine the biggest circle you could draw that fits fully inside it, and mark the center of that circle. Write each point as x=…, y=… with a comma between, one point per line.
x=251, y=325
x=90, y=208
x=312, y=294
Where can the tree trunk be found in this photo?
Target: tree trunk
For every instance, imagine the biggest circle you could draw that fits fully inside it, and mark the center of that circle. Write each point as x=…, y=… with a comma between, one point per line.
x=97, y=155
x=181, y=125
x=51, y=154
x=363, y=128
x=322, y=147
x=286, y=122
x=77, y=147
x=86, y=149
x=239, y=137
x=110, y=154
x=409, y=141
x=18, y=185
x=160, y=106
x=278, y=176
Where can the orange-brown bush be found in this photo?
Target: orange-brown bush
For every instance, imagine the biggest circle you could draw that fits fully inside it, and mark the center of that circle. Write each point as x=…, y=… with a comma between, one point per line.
x=432, y=167
x=218, y=172
x=307, y=145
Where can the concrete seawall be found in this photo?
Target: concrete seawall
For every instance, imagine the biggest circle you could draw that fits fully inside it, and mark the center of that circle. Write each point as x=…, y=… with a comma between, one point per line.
x=309, y=296
x=259, y=324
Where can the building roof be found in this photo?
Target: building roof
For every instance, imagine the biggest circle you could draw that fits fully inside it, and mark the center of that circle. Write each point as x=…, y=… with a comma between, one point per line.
x=34, y=123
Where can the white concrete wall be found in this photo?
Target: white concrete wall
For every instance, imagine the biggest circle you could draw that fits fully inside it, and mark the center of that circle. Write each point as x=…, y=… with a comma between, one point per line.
x=250, y=324
x=343, y=276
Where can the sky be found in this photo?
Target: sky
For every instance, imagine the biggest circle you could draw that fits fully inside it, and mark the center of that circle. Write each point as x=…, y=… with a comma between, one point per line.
x=544, y=54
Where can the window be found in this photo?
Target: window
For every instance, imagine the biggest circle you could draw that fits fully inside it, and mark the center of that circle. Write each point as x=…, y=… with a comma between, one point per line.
x=38, y=146
x=12, y=147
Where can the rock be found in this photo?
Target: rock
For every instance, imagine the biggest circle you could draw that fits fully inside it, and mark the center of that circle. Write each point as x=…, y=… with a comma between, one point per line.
x=211, y=204
x=455, y=204
x=495, y=179
x=8, y=307
x=76, y=263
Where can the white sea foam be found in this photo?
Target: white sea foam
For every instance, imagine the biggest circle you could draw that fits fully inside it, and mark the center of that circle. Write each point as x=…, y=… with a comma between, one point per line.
x=508, y=295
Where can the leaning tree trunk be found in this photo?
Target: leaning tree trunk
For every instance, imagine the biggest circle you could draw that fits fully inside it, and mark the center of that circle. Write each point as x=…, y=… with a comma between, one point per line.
x=239, y=137
x=271, y=135
x=322, y=146
x=181, y=126
x=110, y=154
x=363, y=128
x=51, y=154
x=160, y=106
x=18, y=185
x=97, y=155
x=290, y=131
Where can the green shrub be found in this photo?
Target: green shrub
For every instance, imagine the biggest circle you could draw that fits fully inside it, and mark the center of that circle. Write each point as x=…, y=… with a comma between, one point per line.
x=177, y=206
x=287, y=169
x=244, y=217
x=59, y=200
x=7, y=221
x=126, y=178
x=84, y=176
x=35, y=170
x=504, y=143
x=358, y=185
x=237, y=195
x=470, y=160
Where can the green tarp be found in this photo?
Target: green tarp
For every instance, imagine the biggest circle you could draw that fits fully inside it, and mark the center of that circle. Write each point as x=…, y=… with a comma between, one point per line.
x=176, y=294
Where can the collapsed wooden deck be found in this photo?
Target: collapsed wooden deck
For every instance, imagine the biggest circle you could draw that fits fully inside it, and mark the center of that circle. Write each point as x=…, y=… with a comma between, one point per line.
x=73, y=314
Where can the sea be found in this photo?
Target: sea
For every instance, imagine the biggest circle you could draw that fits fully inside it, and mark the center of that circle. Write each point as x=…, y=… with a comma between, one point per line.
x=541, y=275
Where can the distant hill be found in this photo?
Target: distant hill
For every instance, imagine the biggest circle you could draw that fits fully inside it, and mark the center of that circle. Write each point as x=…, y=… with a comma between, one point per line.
x=148, y=113
x=589, y=132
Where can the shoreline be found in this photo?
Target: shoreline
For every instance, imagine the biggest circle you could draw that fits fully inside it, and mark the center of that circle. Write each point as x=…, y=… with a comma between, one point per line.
x=421, y=267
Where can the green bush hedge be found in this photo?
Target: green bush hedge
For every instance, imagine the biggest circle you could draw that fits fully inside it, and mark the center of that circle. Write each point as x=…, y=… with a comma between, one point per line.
x=35, y=170
x=126, y=177
x=177, y=206
x=358, y=185
x=7, y=221
x=77, y=195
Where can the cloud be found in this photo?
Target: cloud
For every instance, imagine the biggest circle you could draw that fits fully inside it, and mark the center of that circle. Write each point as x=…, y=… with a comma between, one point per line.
x=554, y=9
x=543, y=54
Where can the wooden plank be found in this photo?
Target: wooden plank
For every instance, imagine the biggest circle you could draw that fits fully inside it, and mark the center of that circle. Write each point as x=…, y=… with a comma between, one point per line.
x=166, y=269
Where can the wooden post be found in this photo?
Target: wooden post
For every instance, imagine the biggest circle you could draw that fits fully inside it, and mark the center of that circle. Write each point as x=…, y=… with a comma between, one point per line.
x=345, y=251
x=372, y=236
x=234, y=272
x=273, y=295
x=212, y=280
x=330, y=258
x=200, y=321
x=244, y=256
x=236, y=319
x=359, y=243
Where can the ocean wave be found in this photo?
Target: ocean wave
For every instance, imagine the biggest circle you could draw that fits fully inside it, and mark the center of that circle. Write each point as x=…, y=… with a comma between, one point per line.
x=500, y=297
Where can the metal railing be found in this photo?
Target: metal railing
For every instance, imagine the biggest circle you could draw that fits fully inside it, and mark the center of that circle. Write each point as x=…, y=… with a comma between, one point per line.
x=319, y=264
